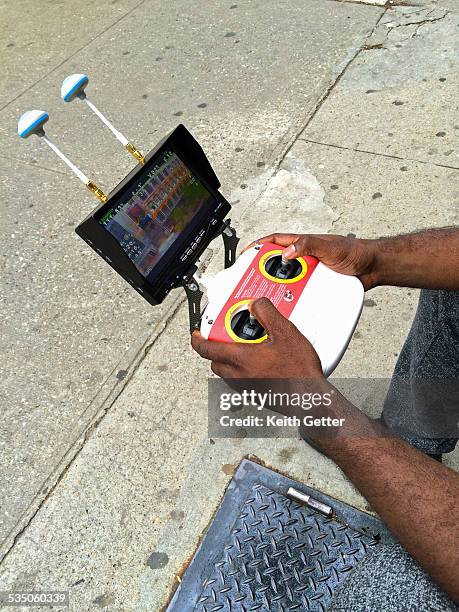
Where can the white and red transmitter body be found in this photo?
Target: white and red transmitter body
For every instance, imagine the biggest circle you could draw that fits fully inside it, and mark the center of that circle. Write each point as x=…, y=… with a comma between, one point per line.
x=324, y=305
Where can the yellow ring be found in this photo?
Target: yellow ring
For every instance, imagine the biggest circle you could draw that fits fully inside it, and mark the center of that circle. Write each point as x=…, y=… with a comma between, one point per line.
x=229, y=330
x=266, y=256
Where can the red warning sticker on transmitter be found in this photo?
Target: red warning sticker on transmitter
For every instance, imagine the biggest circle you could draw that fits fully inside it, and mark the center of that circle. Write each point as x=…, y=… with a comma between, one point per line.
x=257, y=283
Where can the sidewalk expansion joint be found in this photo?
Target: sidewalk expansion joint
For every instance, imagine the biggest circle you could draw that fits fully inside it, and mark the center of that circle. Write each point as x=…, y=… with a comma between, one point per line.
x=329, y=90
x=33, y=165
x=388, y=155
x=143, y=351
x=96, y=36
x=85, y=434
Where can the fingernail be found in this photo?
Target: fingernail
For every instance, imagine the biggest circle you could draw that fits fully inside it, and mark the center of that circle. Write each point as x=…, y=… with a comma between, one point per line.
x=290, y=251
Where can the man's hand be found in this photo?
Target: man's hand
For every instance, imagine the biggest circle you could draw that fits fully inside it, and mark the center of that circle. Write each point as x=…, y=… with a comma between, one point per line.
x=285, y=354
x=345, y=255
x=425, y=260
x=386, y=470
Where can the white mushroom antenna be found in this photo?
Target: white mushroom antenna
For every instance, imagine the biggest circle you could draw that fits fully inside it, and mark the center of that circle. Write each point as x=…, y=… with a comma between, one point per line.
x=32, y=122
x=73, y=87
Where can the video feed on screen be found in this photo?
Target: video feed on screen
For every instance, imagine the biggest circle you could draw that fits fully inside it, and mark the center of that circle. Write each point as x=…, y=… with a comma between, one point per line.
x=157, y=211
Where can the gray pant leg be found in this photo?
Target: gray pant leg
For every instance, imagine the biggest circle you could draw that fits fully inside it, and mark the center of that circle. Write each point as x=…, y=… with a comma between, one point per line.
x=428, y=366
x=390, y=581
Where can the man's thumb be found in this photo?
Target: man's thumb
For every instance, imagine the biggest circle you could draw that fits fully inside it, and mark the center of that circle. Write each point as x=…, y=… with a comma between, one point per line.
x=267, y=315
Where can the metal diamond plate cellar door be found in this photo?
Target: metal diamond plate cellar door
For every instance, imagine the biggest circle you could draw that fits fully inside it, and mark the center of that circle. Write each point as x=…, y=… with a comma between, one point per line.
x=264, y=551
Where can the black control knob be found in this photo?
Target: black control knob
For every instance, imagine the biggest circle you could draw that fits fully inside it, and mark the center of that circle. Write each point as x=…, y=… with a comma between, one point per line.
x=246, y=327
x=285, y=269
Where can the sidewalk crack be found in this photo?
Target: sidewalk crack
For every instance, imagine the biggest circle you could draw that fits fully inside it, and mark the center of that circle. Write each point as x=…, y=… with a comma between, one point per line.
x=330, y=89
x=419, y=24
x=78, y=442
x=54, y=68
x=34, y=165
x=378, y=154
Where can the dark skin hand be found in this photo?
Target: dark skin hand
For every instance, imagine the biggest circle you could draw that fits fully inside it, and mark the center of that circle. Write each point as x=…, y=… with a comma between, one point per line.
x=426, y=260
x=254, y=360
x=410, y=491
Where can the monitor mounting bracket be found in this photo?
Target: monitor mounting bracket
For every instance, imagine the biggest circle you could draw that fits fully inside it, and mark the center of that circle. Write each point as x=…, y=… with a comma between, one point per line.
x=191, y=285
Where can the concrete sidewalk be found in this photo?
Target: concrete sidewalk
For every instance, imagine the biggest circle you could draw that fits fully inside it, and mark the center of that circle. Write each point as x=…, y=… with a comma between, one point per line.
x=318, y=116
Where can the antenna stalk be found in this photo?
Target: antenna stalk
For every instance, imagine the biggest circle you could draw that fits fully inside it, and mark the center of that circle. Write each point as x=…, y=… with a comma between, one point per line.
x=136, y=154
x=83, y=178
x=123, y=140
x=93, y=188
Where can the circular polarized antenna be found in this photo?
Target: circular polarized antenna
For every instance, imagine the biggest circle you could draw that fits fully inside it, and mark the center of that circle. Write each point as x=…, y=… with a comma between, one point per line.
x=32, y=122
x=73, y=86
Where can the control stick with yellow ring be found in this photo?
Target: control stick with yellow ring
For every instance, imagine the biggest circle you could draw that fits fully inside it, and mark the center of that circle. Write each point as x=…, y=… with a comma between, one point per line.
x=325, y=306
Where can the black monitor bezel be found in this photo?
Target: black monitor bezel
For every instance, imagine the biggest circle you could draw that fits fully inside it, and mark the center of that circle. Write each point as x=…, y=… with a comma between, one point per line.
x=170, y=270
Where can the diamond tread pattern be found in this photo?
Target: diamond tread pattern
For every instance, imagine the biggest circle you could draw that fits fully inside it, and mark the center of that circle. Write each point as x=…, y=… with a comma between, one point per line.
x=281, y=556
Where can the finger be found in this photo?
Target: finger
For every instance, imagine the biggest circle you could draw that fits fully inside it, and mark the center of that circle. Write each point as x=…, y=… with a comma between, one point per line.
x=214, y=351
x=223, y=370
x=280, y=239
x=316, y=245
x=268, y=316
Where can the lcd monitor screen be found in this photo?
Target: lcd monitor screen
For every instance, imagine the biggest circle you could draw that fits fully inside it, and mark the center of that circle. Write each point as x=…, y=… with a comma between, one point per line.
x=149, y=218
